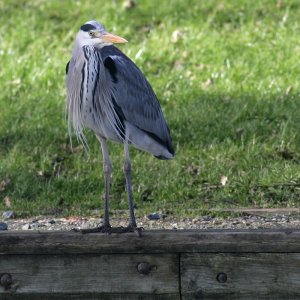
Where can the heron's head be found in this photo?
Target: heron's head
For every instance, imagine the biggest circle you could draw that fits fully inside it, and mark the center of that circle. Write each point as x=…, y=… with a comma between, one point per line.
x=92, y=33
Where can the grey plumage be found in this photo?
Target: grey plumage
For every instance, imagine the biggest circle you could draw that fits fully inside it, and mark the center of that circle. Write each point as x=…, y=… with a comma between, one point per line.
x=107, y=93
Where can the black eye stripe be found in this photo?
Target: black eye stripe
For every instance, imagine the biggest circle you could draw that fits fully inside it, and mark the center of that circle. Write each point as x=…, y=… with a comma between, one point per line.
x=87, y=27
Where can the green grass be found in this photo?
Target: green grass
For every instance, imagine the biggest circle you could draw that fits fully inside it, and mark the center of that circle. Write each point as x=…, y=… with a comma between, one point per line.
x=229, y=88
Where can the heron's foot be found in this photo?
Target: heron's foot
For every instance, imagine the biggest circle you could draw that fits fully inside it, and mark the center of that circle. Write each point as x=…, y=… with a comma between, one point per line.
x=105, y=228
x=131, y=228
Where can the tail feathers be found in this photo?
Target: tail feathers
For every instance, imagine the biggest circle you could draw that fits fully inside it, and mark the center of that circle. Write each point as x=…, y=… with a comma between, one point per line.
x=169, y=155
x=161, y=157
x=164, y=143
x=150, y=142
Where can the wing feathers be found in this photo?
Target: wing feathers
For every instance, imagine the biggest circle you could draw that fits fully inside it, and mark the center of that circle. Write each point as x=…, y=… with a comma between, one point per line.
x=134, y=96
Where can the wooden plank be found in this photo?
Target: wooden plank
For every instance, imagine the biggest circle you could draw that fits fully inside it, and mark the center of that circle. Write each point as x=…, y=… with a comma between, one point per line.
x=240, y=276
x=89, y=296
x=156, y=241
x=260, y=211
x=95, y=274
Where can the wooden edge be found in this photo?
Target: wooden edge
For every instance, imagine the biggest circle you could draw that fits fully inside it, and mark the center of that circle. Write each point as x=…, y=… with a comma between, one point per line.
x=260, y=211
x=89, y=296
x=152, y=241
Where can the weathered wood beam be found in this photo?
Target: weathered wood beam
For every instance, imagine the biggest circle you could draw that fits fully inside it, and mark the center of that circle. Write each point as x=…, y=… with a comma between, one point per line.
x=187, y=264
x=156, y=241
x=92, y=273
x=92, y=296
x=240, y=276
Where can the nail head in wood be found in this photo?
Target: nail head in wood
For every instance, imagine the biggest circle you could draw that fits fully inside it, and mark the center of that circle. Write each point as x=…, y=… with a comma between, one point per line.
x=6, y=280
x=222, y=277
x=144, y=268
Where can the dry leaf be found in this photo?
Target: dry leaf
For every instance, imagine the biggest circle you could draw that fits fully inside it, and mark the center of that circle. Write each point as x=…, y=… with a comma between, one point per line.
x=178, y=65
x=223, y=180
x=207, y=83
x=167, y=93
x=6, y=202
x=184, y=54
x=79, y=148
x=4, y=184
x=193, y=170
x=68, y=148
x=279, y=4
x=40, y=173
x=128, y=4
x=189, y=73
x=239, y=132
x=200, y=66
x=16, y=81
x=176, y=35
x=288, y=90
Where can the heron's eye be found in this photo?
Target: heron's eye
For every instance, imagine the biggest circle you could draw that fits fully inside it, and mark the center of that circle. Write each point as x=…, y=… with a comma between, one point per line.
x=91, y=33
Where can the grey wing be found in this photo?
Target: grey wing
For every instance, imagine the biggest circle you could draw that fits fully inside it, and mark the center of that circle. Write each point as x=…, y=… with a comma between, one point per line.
x=135, y=100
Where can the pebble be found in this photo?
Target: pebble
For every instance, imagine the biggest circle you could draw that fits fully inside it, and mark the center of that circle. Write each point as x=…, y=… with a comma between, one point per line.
x=154, y=216
x=235, y=222
x=8, y=214
x=207, y=218
x=216, y=222
x=36, y=225
x=26, y=226
x=3, y=226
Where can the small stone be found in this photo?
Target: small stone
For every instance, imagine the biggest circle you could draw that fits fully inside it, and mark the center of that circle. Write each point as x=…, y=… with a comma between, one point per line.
x=51, y=222
x=36, y=225
x=154, y=216
x=26, y=226
x=217, y=222
x=3, y=226
x=206, y=218
x=8, y=214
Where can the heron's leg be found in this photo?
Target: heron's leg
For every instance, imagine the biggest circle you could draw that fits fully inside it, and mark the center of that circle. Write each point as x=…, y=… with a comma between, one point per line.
x=107, y=174
x=106, y=228
x=127, y=171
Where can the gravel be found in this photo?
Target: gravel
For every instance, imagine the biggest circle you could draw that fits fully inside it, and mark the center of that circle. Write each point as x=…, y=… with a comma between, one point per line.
x=167, y=222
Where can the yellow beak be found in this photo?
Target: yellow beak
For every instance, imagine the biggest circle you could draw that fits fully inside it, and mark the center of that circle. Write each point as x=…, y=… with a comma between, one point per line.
x=111, y=38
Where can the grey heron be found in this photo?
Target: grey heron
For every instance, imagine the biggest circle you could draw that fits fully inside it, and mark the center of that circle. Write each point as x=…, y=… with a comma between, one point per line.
x=108, y=93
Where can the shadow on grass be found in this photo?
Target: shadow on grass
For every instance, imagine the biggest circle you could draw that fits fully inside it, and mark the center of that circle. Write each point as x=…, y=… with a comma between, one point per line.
x=218, y=134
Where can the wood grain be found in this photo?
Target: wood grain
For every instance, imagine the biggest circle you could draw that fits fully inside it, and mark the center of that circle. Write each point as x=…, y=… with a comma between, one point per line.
x=159, y=241
x=256, y=275
x=88, y=296
x=94, y=274
x=258, y=264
